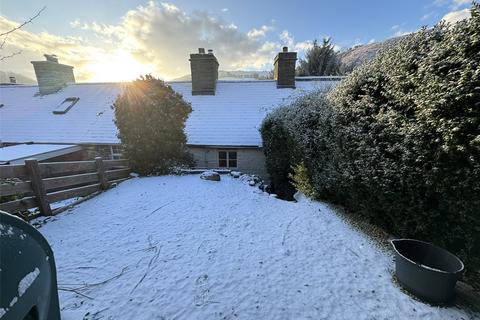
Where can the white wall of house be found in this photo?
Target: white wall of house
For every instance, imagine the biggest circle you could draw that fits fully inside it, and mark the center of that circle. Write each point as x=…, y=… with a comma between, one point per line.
x=249, y=160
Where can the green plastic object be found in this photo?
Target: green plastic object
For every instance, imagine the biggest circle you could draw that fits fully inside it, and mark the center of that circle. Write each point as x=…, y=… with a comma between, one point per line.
x=28, y=279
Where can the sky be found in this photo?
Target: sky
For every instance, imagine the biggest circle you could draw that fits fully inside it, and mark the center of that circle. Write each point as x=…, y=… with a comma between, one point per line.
x=111, y=40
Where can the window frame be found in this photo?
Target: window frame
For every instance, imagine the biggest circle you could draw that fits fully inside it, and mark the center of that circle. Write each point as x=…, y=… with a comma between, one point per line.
x=231, y=157
x=65, y=105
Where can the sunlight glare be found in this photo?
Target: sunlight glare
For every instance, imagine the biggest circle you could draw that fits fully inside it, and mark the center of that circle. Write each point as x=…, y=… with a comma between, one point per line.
x=119, y=66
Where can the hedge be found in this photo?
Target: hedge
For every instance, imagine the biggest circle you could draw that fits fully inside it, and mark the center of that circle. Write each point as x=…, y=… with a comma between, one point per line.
x=397, y=142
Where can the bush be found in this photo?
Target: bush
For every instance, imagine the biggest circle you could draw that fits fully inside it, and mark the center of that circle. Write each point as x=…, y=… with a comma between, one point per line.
x=150, y=117
x=292, y=133
x=401, y=146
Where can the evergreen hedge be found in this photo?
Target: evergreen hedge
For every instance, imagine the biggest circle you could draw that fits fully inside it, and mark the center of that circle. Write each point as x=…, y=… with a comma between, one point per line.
x=397, y=142
x=150, y=117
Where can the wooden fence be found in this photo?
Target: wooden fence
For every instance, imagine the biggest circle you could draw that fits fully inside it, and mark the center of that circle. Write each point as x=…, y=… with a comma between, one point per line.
x=40, y=184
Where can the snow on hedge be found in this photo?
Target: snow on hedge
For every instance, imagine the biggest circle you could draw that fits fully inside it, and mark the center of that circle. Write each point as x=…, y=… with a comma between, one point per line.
x=178, y=247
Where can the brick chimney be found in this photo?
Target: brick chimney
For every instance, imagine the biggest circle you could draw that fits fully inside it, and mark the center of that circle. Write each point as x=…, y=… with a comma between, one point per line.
x=204, y=70
x=51, y=75
x=284, y=69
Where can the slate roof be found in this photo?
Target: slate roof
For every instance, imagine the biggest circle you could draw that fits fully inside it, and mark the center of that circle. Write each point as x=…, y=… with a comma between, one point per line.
x=231, y=117
x=18, y=153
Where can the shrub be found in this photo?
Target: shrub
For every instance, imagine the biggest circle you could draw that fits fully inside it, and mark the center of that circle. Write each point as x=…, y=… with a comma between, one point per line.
x=286, y=135
x=401, y=146
x=150, y=117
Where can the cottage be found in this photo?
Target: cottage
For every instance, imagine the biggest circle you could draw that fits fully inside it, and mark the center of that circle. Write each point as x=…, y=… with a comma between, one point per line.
x=222, y=130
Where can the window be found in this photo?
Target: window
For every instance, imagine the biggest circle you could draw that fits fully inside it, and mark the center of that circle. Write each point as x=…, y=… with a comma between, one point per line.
x=227, y=159
x=116, y=152
x=66, y=105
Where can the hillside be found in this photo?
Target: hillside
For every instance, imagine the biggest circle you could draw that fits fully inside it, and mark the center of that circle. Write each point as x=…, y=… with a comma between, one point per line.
x=357, y=55
x=5, y=78
x=235, y=75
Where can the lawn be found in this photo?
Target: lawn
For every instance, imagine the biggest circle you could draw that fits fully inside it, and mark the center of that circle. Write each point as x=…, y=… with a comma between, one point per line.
x=177, y=247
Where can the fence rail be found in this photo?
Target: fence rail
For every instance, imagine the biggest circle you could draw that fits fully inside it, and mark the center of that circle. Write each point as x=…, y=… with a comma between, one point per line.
x=37, y=184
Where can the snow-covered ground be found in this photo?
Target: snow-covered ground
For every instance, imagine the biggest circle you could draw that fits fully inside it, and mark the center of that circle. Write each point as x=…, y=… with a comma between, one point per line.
x=184, y=248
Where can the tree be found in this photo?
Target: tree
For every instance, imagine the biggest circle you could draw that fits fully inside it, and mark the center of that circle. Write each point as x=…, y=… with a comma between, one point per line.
x=150, y=117
x=320, y=60
x=4, y=36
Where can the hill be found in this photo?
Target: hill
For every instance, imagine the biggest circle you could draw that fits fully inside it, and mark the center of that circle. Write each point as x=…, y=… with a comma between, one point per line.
x=5, y=78
x=235, y=75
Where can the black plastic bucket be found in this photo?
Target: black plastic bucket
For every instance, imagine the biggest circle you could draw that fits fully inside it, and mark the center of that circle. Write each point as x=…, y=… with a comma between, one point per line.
x=425, y=270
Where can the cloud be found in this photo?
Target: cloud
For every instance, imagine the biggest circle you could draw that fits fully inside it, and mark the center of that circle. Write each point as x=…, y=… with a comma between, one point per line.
x=460, y=3
x=154, y=38
x=224, y=10
x=455, y=16
x=426, y=16
x=72, y=50
x=288, y=40
x=453, y=4
x=259, y=33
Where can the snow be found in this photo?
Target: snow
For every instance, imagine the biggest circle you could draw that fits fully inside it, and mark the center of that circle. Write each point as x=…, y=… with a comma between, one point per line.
x=6, y=231
x=229, y=118
x=27, y=281
x=23, y=285
x=12, y=303
x=178, y=247
x=28, y=150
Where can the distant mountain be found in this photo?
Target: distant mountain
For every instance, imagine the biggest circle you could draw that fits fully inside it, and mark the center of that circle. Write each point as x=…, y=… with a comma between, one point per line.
x=235, y=75
x=21, y=79
x=355, y=56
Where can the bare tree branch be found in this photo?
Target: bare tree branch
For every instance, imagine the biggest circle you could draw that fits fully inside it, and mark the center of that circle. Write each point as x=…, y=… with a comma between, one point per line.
x=10, y=55
x=24, y=23
x=3, y=42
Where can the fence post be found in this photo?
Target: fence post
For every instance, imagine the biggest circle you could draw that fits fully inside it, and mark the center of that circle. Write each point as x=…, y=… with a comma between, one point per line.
x=38, y=187
x=101, y=173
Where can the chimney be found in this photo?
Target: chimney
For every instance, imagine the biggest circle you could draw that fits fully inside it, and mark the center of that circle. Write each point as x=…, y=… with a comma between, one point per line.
x=284, y=69
x=51, y=75
x=13, y=80
x=204, y=69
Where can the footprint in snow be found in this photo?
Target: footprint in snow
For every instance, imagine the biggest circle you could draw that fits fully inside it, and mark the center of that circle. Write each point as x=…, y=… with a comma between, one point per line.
x=201, y=291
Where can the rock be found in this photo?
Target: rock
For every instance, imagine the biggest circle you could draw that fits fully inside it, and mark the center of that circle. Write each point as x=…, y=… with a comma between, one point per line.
x=251, y=183
x=134, y=175
x=273, y=195
x=210, y=175
x=235, y=174
x=298, y=196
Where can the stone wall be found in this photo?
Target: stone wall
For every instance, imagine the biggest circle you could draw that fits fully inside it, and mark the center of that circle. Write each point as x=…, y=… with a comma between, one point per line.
x=249, y=160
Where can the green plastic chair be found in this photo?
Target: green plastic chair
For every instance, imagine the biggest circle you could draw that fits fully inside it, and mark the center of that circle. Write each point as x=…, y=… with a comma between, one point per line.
x=28, y=279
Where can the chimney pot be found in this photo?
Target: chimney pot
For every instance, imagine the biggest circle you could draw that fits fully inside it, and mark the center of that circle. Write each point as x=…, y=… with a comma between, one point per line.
x=201, y=50
x=204, y=70
x=51, y=57
x=284, y=68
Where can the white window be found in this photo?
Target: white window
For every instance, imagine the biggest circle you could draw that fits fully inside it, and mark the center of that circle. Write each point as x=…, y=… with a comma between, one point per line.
x=116, y=152
x=227, y=159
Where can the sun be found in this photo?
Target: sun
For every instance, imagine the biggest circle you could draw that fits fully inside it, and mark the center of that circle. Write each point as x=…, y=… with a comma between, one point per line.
x=119, y=66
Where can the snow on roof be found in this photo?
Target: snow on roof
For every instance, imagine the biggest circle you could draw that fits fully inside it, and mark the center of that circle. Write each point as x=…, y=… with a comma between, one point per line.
x=231, y=117
x=40, y=151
